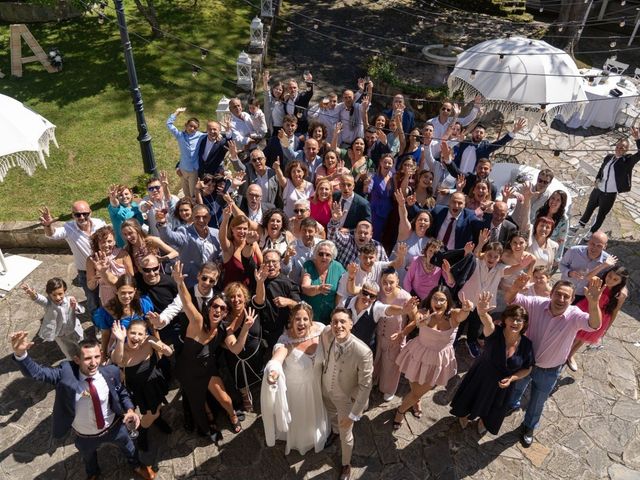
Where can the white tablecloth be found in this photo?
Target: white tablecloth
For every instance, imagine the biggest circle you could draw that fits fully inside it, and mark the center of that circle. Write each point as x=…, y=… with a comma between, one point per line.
x=601, y=112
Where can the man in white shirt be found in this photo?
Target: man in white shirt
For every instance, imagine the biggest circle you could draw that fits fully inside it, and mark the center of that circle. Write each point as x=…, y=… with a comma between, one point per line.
x=449, y=115
x=77, y=233
x=241, y=125
x=90, y=400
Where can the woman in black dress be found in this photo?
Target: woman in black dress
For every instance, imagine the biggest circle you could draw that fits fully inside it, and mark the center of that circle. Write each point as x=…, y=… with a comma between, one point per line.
x=196, y=366
x=246, y=366
x=506, y=358
x=144, y=380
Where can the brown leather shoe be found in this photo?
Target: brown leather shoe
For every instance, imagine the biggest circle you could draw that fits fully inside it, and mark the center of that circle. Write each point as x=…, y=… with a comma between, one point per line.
x=345, y=473
x=145, y=472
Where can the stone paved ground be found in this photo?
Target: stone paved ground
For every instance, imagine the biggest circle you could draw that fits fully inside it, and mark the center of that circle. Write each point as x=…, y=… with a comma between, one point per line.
x=590, y=429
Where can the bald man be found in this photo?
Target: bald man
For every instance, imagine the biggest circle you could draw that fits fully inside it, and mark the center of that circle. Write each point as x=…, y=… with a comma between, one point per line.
x=77, y=233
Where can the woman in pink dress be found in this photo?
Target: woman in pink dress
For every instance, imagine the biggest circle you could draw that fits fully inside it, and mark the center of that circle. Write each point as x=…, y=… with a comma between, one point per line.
x=389, y=341
x=611, y=300
x=320, y=202
x=429, y=359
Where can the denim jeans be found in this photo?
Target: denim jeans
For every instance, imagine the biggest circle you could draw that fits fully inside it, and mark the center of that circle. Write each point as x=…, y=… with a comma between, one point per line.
x=542, y=382
x=118, y=435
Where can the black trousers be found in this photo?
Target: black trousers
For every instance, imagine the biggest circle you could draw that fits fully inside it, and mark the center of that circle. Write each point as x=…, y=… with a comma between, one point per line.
x=474, y=327
x=603, y=202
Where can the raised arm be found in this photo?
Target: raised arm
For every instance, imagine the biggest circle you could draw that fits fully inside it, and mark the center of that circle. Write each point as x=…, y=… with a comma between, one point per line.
x=236, y=345
x=189, y=308
x=593, y=291
x=404, y=227
x=282, y=180
x=459, y=315
x=483, y=308
x=225, y=243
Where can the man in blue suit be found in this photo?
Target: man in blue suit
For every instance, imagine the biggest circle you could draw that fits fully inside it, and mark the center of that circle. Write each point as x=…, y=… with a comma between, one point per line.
x=454, y=225
x=354, y=207
x=90, y=399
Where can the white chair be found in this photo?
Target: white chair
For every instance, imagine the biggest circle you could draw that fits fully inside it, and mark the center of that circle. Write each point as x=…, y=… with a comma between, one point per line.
x=615, y=67
x=628, y=116
x=636, y=74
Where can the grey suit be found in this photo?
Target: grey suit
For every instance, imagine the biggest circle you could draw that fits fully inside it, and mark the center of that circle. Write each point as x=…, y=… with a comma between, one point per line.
x=346, y=384
x=270, y=195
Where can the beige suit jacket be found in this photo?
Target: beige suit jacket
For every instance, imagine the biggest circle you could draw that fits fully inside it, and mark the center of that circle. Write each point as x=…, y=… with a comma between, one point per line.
x=355, y=370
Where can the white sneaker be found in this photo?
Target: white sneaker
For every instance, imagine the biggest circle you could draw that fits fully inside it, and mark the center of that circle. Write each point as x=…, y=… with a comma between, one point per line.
x=388, y=397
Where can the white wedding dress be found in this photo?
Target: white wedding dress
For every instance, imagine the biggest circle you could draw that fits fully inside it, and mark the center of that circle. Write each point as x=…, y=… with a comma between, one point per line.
x=308, y=422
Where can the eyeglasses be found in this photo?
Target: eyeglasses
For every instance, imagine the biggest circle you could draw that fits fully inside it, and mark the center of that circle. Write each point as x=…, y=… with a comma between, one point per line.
x=218, y=306
x=153, y=188
x=299, y=210
x=271, y=262
x=544, y=181
x=207, y=279
x=445, y=109
x=324, y=254
x=202, y=218
x=151, y=269
x=368, y=294
x=254, y=195
x=257, y=159
x=81, y=214
x=516, y=320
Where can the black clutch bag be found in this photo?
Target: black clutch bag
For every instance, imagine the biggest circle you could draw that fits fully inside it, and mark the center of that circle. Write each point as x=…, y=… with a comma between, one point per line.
x=615, y=92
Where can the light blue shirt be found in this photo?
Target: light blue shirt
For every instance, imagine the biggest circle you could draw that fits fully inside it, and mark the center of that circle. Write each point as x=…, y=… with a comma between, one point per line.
x=188, y=145
x=576, y=259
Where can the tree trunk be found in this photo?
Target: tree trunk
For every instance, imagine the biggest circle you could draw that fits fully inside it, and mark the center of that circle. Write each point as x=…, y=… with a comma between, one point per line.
x=148, y=11
x=572, y=17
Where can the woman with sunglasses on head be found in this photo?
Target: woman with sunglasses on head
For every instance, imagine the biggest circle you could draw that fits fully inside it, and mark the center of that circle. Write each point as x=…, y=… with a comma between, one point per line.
x=196, y=365
x=291, y=386
x=506, y=358
x=127, y=305
x=245, y=366
x=429, y=359
x=158, y=203
x=107, y=264
x=233, y=238
x=611, y=301
x=138, y=244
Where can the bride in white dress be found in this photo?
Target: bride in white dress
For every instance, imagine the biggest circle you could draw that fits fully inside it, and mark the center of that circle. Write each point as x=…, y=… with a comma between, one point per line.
x=291, y=396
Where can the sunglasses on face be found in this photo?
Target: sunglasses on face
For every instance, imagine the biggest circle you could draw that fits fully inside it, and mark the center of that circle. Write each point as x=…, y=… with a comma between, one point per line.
x=299, y=210
x=218, y=306
x=153, y=188
x=544, y=181
x=445, y=109
x=368, y=294
x=81, y=214
x=207, y=279
x=151, y=269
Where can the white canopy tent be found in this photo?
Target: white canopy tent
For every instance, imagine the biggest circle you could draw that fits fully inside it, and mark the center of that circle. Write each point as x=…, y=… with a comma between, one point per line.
x=514, y=72
x=24, y=137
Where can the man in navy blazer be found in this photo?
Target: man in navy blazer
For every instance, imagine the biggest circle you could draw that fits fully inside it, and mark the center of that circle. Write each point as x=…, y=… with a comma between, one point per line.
x=354, y=207
x=464, y=223
x=83, y=386
x=211, y=150
x=469, y=152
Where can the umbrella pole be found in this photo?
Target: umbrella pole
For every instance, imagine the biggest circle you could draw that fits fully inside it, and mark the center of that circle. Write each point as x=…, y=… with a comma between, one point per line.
x=143, y=134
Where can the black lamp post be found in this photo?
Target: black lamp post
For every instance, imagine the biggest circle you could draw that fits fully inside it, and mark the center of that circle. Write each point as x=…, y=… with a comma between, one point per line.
x=143, y=134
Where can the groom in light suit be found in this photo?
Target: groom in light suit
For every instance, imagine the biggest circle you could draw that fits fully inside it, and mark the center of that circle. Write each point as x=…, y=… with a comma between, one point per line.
x=346, y=381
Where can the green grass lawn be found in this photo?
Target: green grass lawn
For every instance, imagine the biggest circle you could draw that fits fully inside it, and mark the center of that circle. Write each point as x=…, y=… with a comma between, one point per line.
x=90, y=103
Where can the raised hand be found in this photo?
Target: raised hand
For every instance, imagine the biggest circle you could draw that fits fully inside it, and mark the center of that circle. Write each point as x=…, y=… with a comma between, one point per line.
x=361, y=83
x=180, y=110
x=336, y=211
x=635, y=133
x=233, y=149
x=265, y=79
x=101, y=262
x=410, y=306
x=403, y=248
x=466, y=304
x=484, y=303
x=163, y=177
x=521, y=281
x=276, y=164
x=154, y=319
x=73, y=303
x=118, y=331
x=176, y=273
x=161, y=216
x=611, y=260
x=456, y=110
x=352, y=269
x=507, y=192
x=446, y=266
x=282, y=136
x=399, y=196
x=227, y=213
x=338, y=128
x=445, y=151
x=461, y=181
x=477, y=101
x=261, y=273
x=45, y=216
x=252, y=237
x=20, y=343
x=249, y=318
x=113, y=192
x=483, y=237
x=411, y=200
x=519, y=125
x=237, y=179
x=28, y=290
x=593, y=290
x=468, y=248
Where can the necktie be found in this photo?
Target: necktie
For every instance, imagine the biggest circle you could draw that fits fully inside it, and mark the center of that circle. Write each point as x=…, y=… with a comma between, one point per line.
x=338, y=351
x=95, y=399
x=447, y=233
x=343, y=202
x=493, y=236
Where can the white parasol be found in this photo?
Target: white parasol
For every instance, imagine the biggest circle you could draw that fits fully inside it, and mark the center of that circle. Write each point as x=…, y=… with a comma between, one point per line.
x=514, y=72
x=24, y=137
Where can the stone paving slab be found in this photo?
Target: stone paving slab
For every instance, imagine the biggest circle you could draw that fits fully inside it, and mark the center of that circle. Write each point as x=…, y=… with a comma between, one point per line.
x=590, y=428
